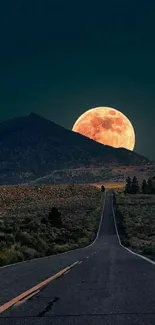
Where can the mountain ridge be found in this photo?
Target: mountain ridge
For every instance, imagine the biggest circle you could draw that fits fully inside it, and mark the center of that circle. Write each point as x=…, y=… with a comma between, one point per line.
x=33, y=146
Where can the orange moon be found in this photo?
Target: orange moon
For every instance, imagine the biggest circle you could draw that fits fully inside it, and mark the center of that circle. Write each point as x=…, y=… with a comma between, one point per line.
x=108, y=126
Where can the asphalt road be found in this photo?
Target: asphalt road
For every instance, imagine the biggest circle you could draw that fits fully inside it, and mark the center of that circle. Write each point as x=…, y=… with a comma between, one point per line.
x=109, y=286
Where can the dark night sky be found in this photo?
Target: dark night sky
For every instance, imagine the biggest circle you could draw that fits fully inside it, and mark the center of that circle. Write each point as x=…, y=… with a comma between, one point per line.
x=59, y=58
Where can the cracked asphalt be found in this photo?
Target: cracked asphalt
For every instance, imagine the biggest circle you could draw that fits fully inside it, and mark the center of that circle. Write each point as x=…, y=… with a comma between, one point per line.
x=108, y=286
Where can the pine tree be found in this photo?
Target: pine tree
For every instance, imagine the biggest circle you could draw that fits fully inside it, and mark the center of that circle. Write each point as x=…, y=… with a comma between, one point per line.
x=150, y=186
x=144, y=187
x=55, y=218
x=153, y=184
x=128, y=185
x=134, y=186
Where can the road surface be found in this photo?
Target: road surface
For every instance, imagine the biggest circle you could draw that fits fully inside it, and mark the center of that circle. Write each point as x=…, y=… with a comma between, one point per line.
x=108, y=285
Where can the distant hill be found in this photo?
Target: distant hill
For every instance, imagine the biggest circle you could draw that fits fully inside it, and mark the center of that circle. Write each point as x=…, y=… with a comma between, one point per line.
x=32, y=147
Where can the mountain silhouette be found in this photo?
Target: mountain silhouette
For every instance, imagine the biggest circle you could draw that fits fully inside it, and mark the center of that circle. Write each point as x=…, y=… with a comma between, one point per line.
x=33, y=147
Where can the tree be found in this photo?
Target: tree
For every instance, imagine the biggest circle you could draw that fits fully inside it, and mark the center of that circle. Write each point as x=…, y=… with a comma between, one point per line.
x=153, y=184
x=102, y=188
x=144, y=187
x=150, y=186
x=128, y=185
x=55, y=218
x=134, y=186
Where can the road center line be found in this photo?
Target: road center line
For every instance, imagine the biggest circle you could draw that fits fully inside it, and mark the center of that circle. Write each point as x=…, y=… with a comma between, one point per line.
x=35, y=288
x=20, y=302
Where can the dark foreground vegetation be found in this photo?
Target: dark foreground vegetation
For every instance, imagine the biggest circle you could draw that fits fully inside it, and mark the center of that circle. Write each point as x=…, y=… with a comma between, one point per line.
x=135, y=216
x=40, y=221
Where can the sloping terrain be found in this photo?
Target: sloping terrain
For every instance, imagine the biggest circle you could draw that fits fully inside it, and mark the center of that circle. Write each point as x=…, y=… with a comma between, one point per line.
x=90, y=175
x=33, y=147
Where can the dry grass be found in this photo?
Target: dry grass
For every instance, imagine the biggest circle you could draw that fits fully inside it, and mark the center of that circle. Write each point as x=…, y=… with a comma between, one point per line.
x=21, y=201
x=115, y=186
x=23, y=235
x=136, y=216
x=111, y=185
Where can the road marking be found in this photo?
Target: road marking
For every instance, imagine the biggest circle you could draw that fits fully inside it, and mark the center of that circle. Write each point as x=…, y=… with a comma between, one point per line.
x=20, y=302
x=66, y=272
x=119, y=240
x=35, y=288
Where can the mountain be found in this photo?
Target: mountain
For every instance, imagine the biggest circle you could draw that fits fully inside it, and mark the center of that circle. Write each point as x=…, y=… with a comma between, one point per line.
x=32, y=147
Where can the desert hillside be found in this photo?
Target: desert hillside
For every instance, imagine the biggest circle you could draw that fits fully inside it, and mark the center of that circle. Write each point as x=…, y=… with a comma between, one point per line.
x=32, y=147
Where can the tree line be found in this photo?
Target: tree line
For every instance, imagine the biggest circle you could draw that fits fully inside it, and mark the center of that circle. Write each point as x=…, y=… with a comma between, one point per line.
x=132, y=186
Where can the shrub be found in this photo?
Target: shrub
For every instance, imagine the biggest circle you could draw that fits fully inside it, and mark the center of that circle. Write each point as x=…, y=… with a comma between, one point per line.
x=9, y=230
x=9, y=256
x=83, y=241
x=50, y=250
x=10, y=239
x=44, y=220
x=61, y=248
x=24, y=238
x=40, y=245
x=29, y=253
x=2, y=236
x=3, y=245
x=34, y=225
x=89, y=234
x=2, y=227
x=27, y=220
x=149, y=250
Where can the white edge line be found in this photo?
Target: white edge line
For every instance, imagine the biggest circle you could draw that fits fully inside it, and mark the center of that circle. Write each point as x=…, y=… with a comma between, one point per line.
x=119, y=240
x=72, y=250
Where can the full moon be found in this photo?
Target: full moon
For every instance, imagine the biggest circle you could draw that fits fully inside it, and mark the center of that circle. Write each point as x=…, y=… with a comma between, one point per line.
x=108, y=126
